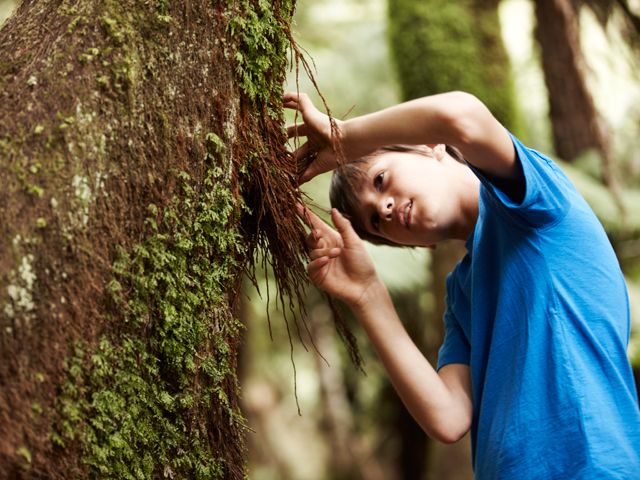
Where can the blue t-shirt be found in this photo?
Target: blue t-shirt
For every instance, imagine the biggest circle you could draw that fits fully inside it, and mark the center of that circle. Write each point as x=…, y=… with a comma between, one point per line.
x=538, y=309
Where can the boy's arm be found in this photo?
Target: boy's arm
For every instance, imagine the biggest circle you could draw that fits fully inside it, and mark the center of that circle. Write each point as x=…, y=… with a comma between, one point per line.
x=441, y=402
x=456, y=118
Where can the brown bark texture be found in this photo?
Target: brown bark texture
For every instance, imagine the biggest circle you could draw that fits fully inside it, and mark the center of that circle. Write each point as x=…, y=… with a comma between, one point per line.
x=142, y=166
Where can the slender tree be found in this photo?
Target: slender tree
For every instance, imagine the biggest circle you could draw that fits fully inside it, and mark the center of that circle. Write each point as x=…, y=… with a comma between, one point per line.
x=604, y=10
x=142, y=162
x=574, y=119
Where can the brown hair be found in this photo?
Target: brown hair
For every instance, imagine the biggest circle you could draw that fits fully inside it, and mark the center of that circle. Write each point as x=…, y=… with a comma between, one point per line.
x=347, y=178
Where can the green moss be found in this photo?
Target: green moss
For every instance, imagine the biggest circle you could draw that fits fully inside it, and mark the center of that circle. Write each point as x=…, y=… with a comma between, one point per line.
x=26, y=455
x=262, y=46
x=74, y=24
x=131, y=402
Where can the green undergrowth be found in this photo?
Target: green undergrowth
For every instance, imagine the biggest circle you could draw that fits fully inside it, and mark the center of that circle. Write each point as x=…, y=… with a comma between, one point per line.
x=134, y=401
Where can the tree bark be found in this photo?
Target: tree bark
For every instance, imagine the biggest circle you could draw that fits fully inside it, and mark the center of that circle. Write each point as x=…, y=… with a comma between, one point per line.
x=142, y=162
x=571, y=109
x=575, y=123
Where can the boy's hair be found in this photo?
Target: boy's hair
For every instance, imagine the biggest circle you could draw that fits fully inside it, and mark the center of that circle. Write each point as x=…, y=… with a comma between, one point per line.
x=347, y=178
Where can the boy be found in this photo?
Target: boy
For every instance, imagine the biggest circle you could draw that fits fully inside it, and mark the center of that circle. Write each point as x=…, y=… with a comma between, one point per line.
x=537, y=322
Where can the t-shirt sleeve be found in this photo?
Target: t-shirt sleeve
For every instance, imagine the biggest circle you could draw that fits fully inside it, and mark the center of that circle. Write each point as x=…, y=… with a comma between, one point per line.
x=456, y=347
x=546, y=200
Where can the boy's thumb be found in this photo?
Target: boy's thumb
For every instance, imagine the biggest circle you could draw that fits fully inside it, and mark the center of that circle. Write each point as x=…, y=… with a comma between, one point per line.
x=311, y=172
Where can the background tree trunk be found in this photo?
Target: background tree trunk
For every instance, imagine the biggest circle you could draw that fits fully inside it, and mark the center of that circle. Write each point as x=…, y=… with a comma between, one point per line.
x=142, y=162
x=572, y=112
x=441, y=46
x=575, y=123
x=350, y=459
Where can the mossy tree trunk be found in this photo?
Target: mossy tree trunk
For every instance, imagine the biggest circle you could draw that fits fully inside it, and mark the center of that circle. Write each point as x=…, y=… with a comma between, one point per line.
x=439, y=46
x=142, y=162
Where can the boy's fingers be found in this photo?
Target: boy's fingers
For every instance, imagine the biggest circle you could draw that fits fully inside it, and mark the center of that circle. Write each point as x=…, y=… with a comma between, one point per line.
x=301, y=151
x=299, y=129
x=290, y=97
x=315, y=240
x=317, y=264
x=306, y=176
x=311, y=172
x=324, y=252
x=344, y=227
x=296, y=100
x=311, y=219
x=290, y=100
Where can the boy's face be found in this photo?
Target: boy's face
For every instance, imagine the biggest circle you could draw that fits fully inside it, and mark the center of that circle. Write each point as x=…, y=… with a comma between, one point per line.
x=406, y=198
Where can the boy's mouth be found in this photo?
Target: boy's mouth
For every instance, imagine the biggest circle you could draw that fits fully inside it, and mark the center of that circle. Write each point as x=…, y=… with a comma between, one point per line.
x=404, y=214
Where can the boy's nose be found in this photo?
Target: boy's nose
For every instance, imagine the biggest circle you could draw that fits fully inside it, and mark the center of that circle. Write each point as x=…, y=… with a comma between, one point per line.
x=386, y=207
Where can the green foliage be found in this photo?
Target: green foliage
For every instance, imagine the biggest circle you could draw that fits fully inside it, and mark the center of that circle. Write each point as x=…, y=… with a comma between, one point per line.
x=261, y=51
x=136, y=425
x=130, y=402
x=442, y=45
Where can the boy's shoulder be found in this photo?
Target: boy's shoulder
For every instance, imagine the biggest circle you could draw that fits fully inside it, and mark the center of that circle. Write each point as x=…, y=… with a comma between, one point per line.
x=548, y=197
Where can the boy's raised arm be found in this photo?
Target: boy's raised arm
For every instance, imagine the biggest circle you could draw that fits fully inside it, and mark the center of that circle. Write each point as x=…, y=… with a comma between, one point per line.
x=456, y=118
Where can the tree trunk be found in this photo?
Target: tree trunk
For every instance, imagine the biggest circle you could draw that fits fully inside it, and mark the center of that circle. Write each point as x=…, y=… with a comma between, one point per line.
x=442, y=45
x=571, y=109
x=349, y=458
x=142, y=161
x=450, y=462
x=575, y=123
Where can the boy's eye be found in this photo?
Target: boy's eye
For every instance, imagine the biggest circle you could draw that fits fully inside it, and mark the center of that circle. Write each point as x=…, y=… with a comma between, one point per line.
x=377, y=181
x=375, y=221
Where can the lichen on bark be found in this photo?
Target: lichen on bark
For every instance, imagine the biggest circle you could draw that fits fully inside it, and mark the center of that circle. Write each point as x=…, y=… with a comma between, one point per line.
x=137, y=145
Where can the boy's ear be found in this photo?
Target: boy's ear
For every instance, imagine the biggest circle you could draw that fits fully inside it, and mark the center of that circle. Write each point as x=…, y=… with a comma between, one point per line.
x=439, y=150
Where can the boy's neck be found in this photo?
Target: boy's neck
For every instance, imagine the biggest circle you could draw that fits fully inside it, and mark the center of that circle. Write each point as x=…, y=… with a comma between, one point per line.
x=469, y=204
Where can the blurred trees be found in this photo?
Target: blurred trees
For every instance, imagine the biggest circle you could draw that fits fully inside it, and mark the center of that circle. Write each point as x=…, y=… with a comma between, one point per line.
x=440, y=45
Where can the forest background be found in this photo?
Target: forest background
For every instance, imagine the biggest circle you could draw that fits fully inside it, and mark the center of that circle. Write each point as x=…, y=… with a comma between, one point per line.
x=346, y=424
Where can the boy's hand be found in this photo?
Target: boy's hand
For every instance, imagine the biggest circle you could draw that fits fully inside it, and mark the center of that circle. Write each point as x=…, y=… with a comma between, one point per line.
x=317, y=129
x=340, y=265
